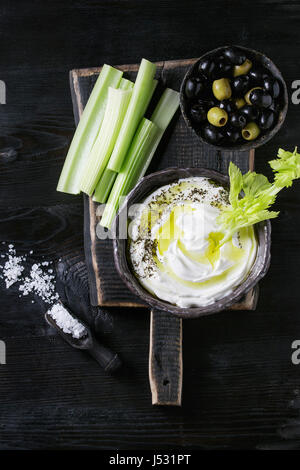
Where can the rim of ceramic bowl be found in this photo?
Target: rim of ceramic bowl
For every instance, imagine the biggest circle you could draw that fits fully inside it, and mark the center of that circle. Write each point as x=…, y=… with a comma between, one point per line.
x=267, y=63
x=146, y=186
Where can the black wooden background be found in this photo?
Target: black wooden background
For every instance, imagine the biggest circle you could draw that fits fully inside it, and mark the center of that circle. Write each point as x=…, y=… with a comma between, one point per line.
x=240, y=388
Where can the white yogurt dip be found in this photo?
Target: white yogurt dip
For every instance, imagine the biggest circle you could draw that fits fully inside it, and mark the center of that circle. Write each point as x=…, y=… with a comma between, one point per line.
x=174, y=244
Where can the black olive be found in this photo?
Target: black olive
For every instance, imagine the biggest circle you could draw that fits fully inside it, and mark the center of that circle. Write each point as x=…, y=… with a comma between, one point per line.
x=211, y=134
x=240, y=85
x=228, y=105
x=193, y=87
x=266, y=119
x=198, y=113
x=206, y=103
x=258, y=74
x=234, y=56
x=260, y=98
x=238, y=120
x=251, y=113
x=232, y=135
x=271, y=85
x=207, y=67
x=224, y=69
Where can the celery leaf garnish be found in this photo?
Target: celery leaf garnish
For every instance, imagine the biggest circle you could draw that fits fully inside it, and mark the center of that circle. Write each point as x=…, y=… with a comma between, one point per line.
x=252, y=194
x=286, y=168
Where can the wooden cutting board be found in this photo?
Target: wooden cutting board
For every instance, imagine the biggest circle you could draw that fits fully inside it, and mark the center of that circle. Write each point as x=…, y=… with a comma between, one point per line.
x=180, y=147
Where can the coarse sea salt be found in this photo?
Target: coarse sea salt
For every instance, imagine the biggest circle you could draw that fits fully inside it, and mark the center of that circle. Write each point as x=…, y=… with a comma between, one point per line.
x=40, y=280
x=40, y=283
x=12, y=269
x=66, y=321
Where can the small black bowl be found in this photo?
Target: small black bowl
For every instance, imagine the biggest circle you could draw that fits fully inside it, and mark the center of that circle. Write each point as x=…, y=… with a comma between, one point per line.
x=259, y=59
x=145, y=187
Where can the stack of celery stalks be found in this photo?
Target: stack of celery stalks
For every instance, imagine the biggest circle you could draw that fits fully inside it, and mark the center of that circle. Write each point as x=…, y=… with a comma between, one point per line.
x=114, y=143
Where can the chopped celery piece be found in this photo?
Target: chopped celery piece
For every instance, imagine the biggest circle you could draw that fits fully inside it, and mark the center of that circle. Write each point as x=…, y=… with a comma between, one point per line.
x=140, y=147
x=141, y=153
x=161, y=117
x=125, y=84
x=115, y=111
x=141, y=95
x=104, y=186
x=87, y=130
x=152, y=90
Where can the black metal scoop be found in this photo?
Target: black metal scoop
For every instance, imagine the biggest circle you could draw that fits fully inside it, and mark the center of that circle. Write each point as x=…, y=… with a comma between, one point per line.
x=107, y=359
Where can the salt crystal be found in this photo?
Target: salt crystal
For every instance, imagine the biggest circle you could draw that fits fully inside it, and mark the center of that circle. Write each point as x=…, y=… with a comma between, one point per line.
x=66, y=321
x=38, y=282
x=12, y=270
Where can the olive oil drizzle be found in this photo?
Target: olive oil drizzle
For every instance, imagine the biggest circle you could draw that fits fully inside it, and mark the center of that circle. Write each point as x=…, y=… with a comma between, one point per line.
x=155, y=245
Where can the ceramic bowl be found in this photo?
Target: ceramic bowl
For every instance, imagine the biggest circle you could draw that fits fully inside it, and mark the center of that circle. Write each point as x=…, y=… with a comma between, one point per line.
x=145, y=187
x=259, y=59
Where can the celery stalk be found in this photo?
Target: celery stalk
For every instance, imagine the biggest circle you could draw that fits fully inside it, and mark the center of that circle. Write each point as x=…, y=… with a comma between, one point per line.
x=104, y=186
x=161, y=117
x=125, y=84
x=152, y=90
x=115, y=111
x=108, y=177
x=141, y=95
x=141, y=152
x=140, y=146
x=87, y=130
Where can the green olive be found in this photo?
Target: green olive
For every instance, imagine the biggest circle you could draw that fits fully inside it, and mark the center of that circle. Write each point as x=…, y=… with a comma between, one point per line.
x=251, y=131
x=242, y=69
x=239, y=102
x=217, y=116
x=247, y=95
x=221, y=89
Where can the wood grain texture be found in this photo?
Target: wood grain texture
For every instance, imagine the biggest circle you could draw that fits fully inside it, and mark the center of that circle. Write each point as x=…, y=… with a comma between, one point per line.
x=165, y=359
x=180, y=147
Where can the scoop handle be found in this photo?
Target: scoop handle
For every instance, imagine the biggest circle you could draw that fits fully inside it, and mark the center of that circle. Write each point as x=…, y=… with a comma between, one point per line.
x=107, y=359
x=165, y=358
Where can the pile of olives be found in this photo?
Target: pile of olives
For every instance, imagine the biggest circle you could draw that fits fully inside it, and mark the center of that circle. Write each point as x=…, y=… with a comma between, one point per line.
x=232, y=99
